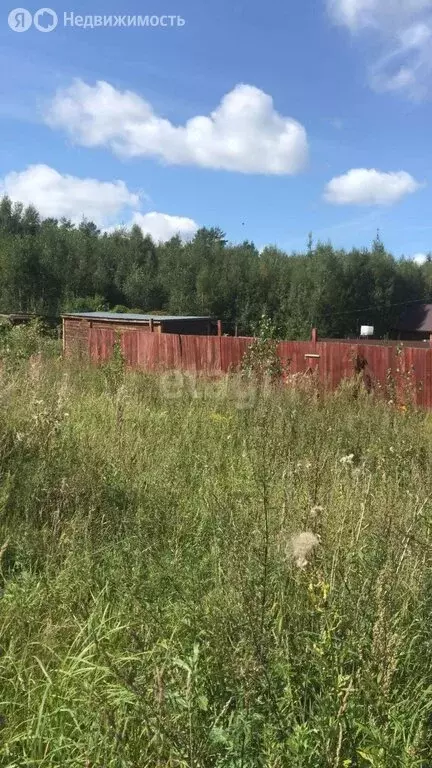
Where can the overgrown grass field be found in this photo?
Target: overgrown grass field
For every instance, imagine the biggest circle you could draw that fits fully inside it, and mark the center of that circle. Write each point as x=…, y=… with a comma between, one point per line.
x=210, y=575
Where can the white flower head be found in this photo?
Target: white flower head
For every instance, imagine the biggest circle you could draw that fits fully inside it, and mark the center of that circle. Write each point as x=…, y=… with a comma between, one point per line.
x=347, y=460
x=301, y=547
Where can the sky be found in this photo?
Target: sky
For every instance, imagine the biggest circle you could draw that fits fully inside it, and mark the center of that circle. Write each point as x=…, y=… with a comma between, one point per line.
x=268, y=120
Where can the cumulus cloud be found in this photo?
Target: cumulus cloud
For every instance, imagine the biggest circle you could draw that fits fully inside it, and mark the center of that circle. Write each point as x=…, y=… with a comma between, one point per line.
x=57, y=195
x=420, y=258
x=357, y=14
x=363, y=186
x=404, y=35
x=162, y=227
x=244, y=133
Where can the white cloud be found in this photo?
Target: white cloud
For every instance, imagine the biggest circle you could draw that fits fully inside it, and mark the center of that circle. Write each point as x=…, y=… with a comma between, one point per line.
x=358, y=14
x=420, y=258
x=362, y=186
x=57, y=195
x=351, y=13
x=244, y=133
x=403, y=29
x=162, y=226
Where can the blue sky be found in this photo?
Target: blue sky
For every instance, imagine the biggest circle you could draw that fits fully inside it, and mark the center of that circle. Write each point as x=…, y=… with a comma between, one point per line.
x=350, y=82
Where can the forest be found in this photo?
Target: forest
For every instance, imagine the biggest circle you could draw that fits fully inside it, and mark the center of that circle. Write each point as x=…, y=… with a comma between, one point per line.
x=50, y=266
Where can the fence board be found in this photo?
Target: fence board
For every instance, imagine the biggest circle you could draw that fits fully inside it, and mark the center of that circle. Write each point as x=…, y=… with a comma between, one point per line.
x=232, y=352
x=201, y=354
x=101, y=344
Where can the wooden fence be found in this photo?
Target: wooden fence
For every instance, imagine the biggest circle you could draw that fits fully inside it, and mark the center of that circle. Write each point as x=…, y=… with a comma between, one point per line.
x=406, y=371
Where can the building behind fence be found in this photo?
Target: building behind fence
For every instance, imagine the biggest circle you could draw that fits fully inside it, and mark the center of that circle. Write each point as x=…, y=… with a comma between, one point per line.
x=78, y=325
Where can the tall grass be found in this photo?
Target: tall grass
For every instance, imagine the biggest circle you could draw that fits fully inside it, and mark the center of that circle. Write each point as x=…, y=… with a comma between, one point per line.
x=161, y=605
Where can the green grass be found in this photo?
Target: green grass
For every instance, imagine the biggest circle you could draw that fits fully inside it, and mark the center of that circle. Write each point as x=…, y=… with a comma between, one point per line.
x=152, y=610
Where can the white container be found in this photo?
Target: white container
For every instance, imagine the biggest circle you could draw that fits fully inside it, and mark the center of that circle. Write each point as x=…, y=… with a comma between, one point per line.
x=367, y=330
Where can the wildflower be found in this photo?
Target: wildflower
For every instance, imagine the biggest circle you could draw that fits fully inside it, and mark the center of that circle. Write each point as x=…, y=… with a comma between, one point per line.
x=347, y=460
x=302, y=546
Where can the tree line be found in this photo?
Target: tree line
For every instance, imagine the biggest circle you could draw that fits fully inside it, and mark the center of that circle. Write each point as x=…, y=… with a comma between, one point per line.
x=50, y=266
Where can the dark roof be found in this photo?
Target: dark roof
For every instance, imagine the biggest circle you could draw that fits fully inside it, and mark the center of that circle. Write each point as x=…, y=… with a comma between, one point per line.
x=417, y=318
x=132, y=318
x=18, y=316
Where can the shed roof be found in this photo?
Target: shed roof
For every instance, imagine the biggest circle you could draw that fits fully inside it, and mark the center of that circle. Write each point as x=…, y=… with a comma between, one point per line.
x=416, y=318
x=133, y=318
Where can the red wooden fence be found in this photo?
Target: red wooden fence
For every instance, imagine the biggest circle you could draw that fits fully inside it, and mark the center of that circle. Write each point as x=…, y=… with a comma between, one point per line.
x=407, y=371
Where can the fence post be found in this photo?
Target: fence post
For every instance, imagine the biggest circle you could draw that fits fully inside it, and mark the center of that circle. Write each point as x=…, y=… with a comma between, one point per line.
x=314, y=335
x=151, y=326
x=219, y=327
